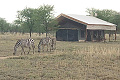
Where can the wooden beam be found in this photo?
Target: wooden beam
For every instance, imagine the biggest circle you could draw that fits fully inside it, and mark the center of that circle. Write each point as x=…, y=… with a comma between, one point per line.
x=69, y=28
x=102, y=27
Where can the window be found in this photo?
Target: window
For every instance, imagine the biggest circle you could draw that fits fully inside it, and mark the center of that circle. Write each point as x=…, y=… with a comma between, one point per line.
x=95, y=34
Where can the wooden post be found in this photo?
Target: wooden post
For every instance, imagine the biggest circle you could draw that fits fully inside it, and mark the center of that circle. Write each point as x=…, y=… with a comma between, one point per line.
x=86, y=34
x=109, y=35
x=115, y=35
x=104, y=35
x=98, y=35
x=92, y=35
x=67, y=34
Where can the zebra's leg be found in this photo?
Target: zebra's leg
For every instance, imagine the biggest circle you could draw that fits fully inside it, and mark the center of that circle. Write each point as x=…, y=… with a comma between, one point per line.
x=33, y=48
x=29, y=50
x=22, y=50
x=50, y=48
x=47, y=47
x=43, y=48
x=15, y=50
x=38, y=47
x=54, y=46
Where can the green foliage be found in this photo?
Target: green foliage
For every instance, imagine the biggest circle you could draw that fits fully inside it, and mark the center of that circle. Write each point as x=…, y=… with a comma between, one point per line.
x=4, y=26
x=104, y=14
x=45, y=18
x=116, y=20
x=26, y=18
x=37, y=20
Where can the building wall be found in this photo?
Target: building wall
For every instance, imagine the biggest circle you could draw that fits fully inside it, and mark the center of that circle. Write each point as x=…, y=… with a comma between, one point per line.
x=95, y=35
x=99, y=27
x=69, y=30
x=67, y=35
x=81, y=35
x=73, y=31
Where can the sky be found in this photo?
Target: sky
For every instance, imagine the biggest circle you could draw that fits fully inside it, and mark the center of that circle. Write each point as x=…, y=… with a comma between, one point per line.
x=9, y=8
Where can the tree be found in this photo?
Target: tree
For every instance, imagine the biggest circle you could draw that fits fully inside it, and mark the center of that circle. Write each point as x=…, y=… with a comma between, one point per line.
x=4, y=26
x=104, y=14
x=38, y=20
x=45, y=17
x=26, y=18
x=116, y=20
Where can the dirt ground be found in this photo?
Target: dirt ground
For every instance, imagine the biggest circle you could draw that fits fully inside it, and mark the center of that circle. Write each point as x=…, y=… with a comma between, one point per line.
x=5, y=57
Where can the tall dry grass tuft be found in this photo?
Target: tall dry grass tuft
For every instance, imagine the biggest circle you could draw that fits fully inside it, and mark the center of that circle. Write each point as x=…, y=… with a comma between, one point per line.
x=102, y=49
x=99, y=49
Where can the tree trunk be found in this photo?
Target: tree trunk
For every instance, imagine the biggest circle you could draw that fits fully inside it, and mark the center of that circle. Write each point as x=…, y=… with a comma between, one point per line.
x=46, y=31
x=39, y=31
x=46, y=34
x=30, y=31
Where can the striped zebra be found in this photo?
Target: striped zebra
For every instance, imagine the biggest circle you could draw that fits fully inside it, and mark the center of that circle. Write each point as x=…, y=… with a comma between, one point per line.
x=47, y=41
x=53, y=43
x=28, y=43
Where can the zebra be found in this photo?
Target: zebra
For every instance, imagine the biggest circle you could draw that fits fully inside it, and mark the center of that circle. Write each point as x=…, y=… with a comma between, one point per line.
x=53, y=43
x=47, y=41
x=28, y=43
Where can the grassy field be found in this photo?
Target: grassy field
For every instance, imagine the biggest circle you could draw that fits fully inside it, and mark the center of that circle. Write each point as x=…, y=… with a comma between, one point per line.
x=70, y=61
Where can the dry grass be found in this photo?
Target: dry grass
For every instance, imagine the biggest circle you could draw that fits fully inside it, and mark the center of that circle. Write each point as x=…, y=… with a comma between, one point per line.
x=70, y=61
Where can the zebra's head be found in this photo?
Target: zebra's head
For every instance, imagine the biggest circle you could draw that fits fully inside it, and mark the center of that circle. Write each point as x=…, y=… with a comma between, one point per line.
x=32, y=40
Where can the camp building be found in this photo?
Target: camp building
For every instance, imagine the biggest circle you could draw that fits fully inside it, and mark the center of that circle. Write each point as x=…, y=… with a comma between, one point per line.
x=82, y=28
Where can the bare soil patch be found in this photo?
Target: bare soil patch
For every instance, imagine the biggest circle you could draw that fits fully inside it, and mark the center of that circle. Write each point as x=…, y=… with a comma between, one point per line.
x=5, y=57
